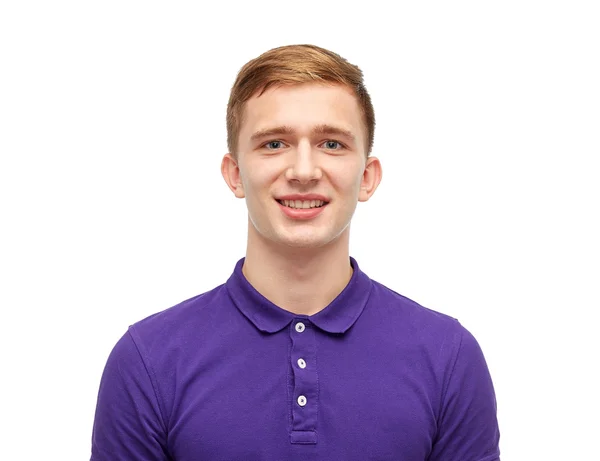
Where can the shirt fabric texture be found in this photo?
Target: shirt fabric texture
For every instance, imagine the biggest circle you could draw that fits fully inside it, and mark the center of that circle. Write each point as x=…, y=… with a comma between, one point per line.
x=228, y=375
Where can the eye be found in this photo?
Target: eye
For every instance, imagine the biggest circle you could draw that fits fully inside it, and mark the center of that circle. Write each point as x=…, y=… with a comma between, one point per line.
x=333, y=145
x=274, y=145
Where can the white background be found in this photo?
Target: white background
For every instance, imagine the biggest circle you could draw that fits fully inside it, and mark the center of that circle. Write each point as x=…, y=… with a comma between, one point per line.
x=112, y=130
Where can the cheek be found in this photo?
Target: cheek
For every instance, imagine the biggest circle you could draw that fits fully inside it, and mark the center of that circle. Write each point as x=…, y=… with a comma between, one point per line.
x=346, y=180
x=258, y=179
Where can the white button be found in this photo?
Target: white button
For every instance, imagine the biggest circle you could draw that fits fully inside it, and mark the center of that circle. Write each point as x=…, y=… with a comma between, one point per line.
x=301, y=400
x=300, y=327
x=301, y=363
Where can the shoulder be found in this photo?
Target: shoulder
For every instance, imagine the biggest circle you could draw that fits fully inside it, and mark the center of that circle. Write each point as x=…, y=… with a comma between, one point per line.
x=172, y=326
x=438, y=341
x=409, y=326
x=397, y=308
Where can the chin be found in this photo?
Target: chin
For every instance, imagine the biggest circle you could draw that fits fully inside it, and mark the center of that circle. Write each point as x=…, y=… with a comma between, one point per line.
x=303, y=244
x=304, y=241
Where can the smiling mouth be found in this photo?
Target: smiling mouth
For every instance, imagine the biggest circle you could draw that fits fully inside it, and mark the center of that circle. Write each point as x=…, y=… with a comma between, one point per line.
x=302, y=205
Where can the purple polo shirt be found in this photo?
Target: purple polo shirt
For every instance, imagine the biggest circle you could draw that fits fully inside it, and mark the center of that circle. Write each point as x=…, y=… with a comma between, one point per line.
x=227, y=375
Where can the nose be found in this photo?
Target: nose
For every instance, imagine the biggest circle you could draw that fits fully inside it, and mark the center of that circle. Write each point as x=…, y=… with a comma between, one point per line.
x=304, y=166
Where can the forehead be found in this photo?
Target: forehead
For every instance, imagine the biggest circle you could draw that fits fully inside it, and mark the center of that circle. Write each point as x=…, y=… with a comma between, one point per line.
x=303, y=107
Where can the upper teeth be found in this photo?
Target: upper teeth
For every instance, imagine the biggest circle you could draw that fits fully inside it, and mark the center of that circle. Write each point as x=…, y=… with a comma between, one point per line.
x=302, y=203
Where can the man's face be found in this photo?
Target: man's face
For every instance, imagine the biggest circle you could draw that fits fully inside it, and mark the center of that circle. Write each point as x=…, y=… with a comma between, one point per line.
x=302, y=139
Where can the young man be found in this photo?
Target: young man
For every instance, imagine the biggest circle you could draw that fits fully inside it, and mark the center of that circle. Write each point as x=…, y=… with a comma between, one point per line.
x=299, y=355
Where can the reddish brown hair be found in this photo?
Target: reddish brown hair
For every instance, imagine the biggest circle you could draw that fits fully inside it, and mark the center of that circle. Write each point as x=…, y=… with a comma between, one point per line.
x=292, y=65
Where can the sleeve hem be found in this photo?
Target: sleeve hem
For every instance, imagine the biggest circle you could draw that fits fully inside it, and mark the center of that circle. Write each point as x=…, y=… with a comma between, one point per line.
x=494, y=457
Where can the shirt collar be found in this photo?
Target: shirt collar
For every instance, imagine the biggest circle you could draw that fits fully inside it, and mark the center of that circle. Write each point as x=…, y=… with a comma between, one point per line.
x=337, y=317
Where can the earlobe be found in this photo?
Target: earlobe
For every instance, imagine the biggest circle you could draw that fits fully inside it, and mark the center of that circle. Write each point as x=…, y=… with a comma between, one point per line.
x=371, y=179
x=239, y=191
x=231, y=174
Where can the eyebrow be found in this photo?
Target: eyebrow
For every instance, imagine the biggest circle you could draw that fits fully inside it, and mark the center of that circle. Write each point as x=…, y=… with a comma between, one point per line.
x=319, y=129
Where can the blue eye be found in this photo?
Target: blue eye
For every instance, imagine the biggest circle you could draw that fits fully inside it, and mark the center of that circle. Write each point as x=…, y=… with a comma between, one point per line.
x=274, y=145
x=332, y=145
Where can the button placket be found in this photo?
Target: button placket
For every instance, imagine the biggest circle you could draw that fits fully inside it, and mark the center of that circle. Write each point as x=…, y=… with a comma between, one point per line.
x=305, y=391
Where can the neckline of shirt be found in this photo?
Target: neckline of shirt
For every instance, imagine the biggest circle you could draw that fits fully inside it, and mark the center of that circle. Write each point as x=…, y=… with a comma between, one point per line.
x=268, y=317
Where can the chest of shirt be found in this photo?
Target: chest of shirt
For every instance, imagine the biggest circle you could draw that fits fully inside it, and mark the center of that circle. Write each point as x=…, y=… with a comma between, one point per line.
x=302, y=394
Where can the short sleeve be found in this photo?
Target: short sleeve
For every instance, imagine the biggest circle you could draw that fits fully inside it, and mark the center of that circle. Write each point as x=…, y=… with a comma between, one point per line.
x=468, y=426
x=127, y=424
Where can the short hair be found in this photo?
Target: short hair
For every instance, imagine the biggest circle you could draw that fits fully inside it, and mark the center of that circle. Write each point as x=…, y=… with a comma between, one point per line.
x=292, y=65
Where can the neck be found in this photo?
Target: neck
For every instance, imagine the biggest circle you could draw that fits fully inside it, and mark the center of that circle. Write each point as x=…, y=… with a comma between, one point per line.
x=299, y=280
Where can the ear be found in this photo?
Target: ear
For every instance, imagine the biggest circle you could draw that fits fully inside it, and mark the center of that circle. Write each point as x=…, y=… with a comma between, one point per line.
x=370, y=179
x=231, y=174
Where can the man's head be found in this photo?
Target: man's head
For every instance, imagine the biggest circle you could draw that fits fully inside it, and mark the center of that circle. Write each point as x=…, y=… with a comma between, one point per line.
x=300, y=123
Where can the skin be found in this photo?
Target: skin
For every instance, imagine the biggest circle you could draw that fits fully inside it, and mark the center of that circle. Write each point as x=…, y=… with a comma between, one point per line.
x=301, y=265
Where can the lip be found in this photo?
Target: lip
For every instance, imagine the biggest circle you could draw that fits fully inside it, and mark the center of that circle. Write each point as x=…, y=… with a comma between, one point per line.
x=301, y=213
x=303, y=197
